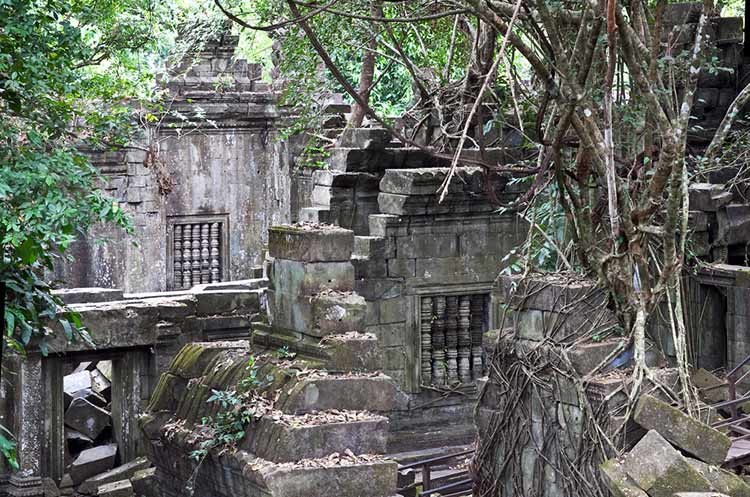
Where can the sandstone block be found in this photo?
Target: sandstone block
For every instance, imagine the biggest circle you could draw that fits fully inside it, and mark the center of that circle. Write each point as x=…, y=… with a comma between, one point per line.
x=213, y=302
x=144, y=482
x=349, y=392
x=365, y=138
x=722, y=480
x=86, y=418
x=123, y=472
x=659, y=469
x=310, y=278
x=334, y=312
x=77, y=385
x=689, y=434
x=88, y=295
x=708, y=197
x=352, y=352
x=308, y=243
x=93, y=461
x=618, y=481
x=700, y=494
x=116, y=489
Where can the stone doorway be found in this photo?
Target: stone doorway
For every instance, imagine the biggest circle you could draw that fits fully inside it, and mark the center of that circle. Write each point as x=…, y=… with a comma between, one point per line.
x=130, y=386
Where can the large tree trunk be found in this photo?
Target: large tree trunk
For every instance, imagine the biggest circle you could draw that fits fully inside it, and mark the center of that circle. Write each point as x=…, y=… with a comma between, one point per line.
x=367, y=74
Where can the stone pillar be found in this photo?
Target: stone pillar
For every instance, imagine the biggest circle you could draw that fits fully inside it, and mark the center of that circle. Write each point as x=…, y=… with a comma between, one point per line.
x=29, y=422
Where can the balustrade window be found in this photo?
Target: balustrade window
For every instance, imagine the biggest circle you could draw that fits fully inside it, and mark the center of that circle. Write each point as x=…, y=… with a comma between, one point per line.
x=198, y=252
x=451, y=330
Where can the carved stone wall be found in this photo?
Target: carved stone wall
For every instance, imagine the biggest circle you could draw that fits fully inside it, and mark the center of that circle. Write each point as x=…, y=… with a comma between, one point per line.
x=224, y=162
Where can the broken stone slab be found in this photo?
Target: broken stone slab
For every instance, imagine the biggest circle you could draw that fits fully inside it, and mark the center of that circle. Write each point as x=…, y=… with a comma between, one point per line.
x=310, y=243
x=105, y=368
x=77, y=385
x=365, y=138
x=77, y=441
x=689, y=434
x=722, y=480
x=708, y=197
x=100, y=384
x=116, y=489
x=144, y=482
x=711, y=388
x=123, y=472
x=618, y=481
x=92, y=462
x=660, y=470
x=86, y=418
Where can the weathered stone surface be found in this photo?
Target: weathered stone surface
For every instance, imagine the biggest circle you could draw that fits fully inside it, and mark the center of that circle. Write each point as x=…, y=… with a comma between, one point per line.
x=278, y=441
x=618, y=481
x=100, y=383
x=689, y=434
x=86, y=418
x=116, y=489
x=213, y=302
x=123, y=472
x=334, y=312
x=77, y=385
x=660, y=470
x=700, y=494
x=364, y=138
x=722, y=480
x=352, y=352
x=309, y=278
x=368, y=393
x=93, y=461
x=88, y=295
x=712, y=389
x=77, y=441
x=708, y=197
x=310, y=243
x=144, y=482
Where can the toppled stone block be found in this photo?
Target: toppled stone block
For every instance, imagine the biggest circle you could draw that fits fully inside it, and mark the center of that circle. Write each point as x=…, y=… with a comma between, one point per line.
x=100, y=384
x=116, y=489
x=77, y=441
x=77, y=385
x=365, y=138
x=618, y=481
x=144, y=482
x=86, y=418
x=123, y=472
x=659, y=469
x=722, y=480
x=310, y=243
x=93, y=461
x=711, y=388
x=689, y=434
x=708, y=197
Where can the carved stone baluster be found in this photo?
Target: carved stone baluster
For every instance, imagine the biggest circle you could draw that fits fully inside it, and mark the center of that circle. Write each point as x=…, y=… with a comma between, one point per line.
x=214, y=244
x=438, y=341
x=464, y=339
x=187, y=256
x=451, y=337
x=205, y=254
x=177, y=256
x=477, y=332
x=426, y=336
x=196, y=254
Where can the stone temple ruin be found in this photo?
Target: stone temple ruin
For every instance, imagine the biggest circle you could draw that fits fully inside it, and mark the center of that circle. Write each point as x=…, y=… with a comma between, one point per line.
x=369, y=329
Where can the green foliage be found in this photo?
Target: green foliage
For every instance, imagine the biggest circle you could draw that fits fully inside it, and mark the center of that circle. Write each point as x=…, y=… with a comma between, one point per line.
x=236, y=411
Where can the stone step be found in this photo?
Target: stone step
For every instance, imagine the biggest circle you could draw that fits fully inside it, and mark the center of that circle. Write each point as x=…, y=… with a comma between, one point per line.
x=289, y=438
x=350, y=352
x=251, y=476
x=320, y=392
x=316, y=214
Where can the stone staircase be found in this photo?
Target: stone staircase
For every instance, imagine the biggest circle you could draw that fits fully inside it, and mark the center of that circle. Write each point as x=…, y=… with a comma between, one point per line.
x=318, y=425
